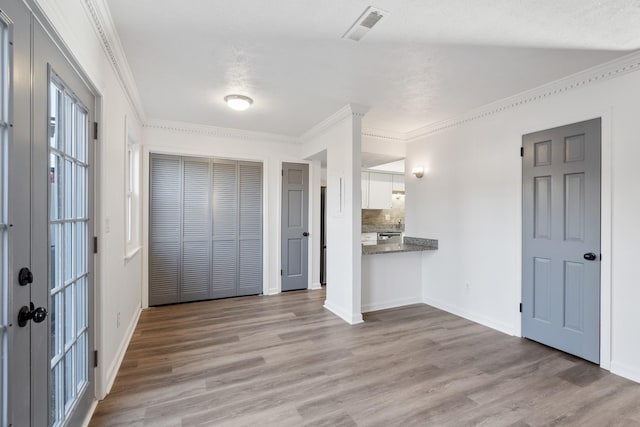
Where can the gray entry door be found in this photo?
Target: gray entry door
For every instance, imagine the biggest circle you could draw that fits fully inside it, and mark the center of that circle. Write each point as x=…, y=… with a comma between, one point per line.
x=561, y=238
x=48, y=176
x=295, y=217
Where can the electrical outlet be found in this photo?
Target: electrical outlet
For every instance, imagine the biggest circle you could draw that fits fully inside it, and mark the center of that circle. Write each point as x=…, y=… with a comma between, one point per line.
x=387, y=217
x=118, y=320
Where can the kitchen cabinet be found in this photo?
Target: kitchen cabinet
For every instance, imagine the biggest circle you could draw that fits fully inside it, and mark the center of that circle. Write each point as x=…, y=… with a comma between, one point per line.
x=364, y=180
x=398, y=183
x=379, y=190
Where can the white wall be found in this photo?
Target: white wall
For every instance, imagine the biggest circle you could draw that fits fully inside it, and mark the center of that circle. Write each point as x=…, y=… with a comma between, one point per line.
x=191, y=140
x=391, y=280
x=470, y=200
x=340, y=136
x=117, y=286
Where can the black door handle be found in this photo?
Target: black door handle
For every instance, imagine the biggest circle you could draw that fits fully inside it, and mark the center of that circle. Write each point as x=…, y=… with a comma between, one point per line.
x=36, y=314
x=590, y=256
x=305, y=234
x=25, y=277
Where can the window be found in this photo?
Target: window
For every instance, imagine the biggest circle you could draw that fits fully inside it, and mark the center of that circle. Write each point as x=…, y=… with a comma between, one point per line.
x=132, y=194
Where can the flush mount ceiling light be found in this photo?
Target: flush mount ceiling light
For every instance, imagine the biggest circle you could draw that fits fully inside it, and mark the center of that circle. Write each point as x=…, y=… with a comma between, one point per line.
x=365, y=22
x=238, y=102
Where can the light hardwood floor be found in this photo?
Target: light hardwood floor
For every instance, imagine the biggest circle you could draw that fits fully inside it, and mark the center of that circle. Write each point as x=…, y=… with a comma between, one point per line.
x=285, y=361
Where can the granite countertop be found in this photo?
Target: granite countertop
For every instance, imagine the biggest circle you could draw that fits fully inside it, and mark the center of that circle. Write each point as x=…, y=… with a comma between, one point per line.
x=410, y=244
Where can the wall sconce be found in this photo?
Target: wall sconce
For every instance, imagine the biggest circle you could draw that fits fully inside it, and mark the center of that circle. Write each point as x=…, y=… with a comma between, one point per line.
x=418, y=171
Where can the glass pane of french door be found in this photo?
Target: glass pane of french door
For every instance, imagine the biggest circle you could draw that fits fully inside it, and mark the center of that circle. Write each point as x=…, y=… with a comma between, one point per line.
x=68, y=237
x=4, y=252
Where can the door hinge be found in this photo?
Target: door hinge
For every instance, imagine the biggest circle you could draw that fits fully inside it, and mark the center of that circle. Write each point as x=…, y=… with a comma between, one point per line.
x=520, y=307
x=521, y=151
x=95, y=130
x=95, y=244
x=281, y=272
x=95, y=358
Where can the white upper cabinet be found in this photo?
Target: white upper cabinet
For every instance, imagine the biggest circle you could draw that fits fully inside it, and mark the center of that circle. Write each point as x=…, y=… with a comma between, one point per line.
x=380, y=185
x=398, y=183
x=364, y=176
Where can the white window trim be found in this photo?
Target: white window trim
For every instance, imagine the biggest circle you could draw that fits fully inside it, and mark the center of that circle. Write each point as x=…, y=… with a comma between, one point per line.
x=131, y=194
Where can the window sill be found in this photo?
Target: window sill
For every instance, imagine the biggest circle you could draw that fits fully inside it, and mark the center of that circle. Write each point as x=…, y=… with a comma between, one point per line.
x=131, y=253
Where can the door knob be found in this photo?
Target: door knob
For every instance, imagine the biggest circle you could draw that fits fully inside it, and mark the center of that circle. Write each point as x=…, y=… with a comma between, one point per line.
x=25, y=276
x=590, y=256
x=25, y=314
x=305, y=234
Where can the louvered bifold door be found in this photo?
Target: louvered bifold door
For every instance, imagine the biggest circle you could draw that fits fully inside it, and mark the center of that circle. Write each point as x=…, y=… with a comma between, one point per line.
x=250, y=230
x=164, y=229
x=196, y=234
x=224, y=266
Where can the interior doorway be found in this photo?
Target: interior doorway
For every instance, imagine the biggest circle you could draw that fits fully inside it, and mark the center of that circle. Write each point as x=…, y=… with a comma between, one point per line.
x=561, y=238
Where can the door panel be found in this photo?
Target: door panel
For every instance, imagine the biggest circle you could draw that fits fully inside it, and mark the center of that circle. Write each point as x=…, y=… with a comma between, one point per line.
x=295, y=217
x=561, y=223
x=206, y=229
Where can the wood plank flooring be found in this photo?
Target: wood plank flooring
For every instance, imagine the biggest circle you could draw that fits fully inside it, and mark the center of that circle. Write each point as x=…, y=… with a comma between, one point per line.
x=283, y=360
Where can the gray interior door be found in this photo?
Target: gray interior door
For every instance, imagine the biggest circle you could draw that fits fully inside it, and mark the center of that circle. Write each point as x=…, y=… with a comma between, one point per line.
x=295, y=217
x=561, y=238
x=205, y=229
x=48, y=176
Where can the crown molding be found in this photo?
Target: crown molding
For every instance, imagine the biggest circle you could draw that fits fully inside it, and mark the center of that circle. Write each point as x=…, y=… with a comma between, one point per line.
x=220, y=132
x=349, y=110
x=599, y=73
x=102, y=21
x=385, y=135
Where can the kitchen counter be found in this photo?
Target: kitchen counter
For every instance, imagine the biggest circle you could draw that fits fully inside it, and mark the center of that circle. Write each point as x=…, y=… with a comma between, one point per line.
x=410, y=244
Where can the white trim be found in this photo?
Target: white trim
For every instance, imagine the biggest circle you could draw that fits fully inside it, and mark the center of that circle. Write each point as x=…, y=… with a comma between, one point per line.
x=391, y=304
x=100, y=16
x=112, y=372
x=386, y=135
x=352, y=319
x=130, y=255
x=626, y=371
x=348, y=110
x=608, y=70
x=183, y=127
x=315, y=286
x=483, y=320
x=92, y=409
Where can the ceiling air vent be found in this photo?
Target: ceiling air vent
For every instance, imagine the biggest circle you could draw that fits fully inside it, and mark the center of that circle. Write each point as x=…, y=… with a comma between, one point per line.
x=370, y=17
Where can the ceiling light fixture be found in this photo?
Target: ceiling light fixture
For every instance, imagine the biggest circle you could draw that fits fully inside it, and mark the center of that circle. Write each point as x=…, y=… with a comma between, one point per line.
x=238, y=102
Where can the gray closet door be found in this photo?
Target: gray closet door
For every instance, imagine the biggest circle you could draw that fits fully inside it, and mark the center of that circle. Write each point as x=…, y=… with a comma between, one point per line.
x=225, y=229
x=196, y=240
x=165, y=229
x=205, y=229
x=250, y=236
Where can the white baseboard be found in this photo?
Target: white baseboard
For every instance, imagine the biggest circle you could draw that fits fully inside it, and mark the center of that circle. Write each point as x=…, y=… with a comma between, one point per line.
x=481, y=319
x=391, y=304
x=122, y=350
x=624, y=370
x=352, y=319
x=92, y=409
x=316, y=285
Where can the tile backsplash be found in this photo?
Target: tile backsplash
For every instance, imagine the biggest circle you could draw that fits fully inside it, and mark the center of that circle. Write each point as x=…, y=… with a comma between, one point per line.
x=377, y=216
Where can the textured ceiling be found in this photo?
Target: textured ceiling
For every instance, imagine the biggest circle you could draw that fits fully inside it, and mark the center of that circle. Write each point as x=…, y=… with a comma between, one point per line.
x=427, y=61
